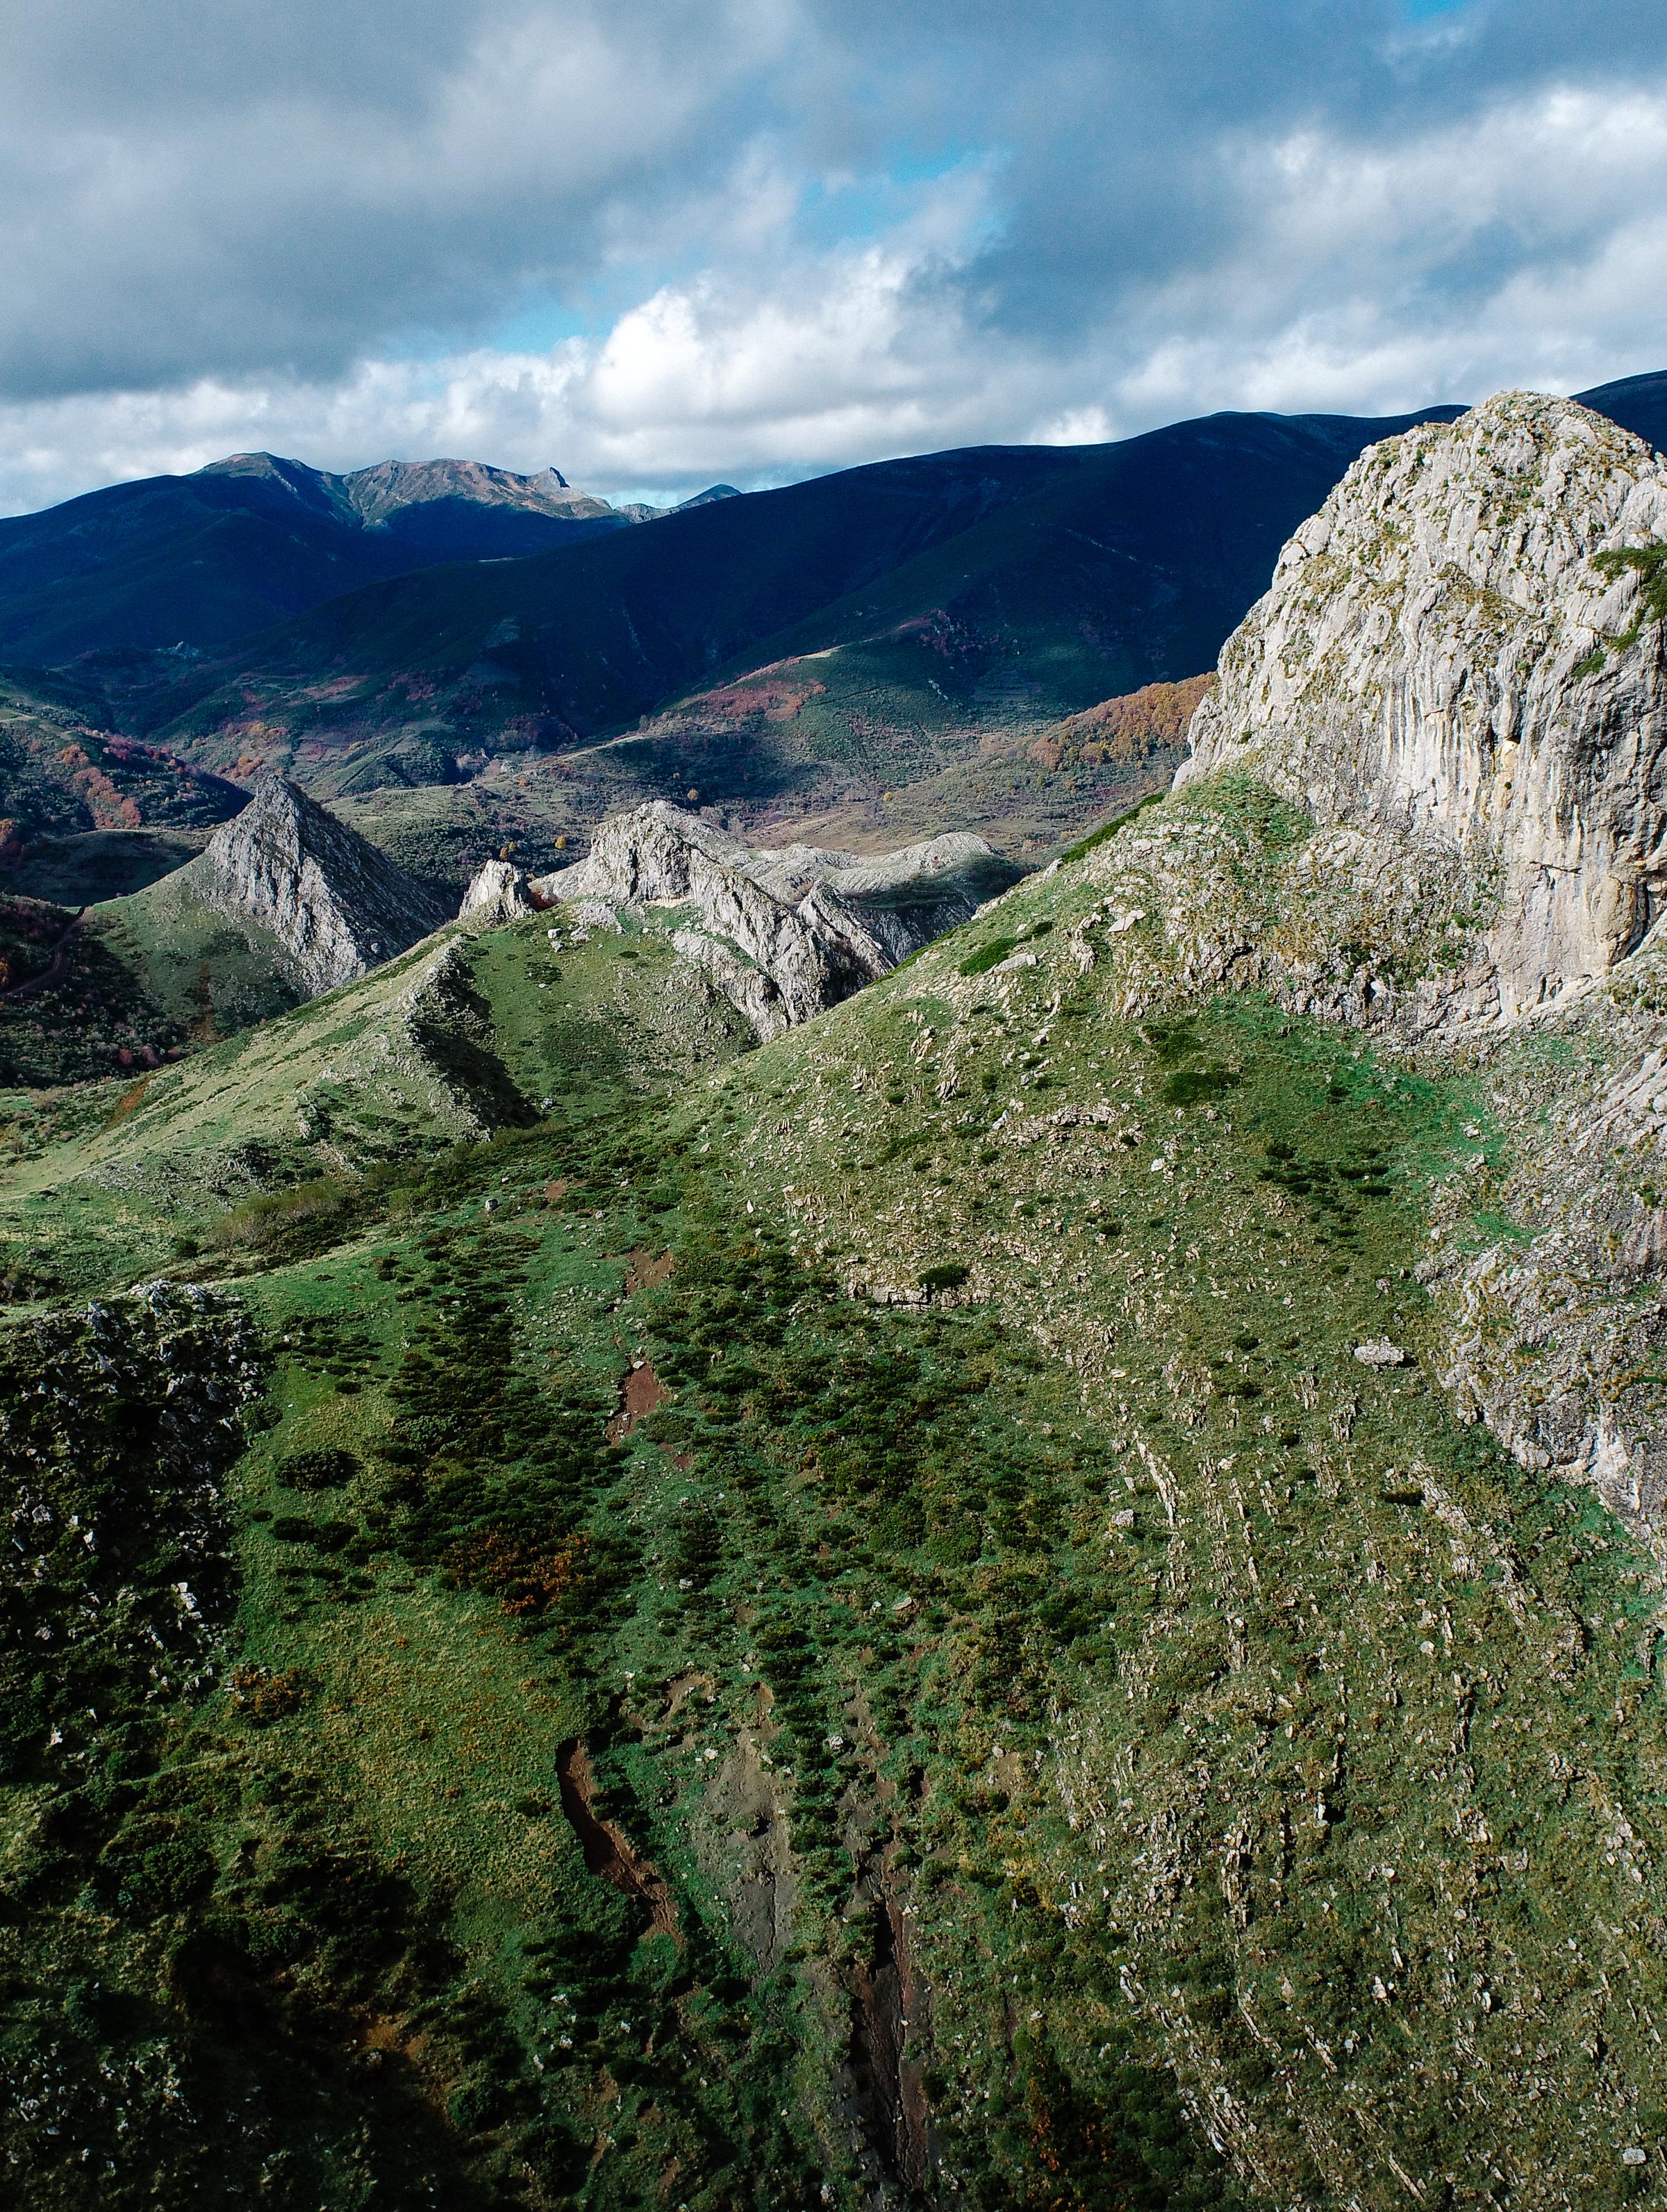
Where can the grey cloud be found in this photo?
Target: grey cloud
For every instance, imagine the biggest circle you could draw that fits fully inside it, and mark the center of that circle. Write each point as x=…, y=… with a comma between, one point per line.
x=213, y=190
x=1134, y=134
x=224, y=226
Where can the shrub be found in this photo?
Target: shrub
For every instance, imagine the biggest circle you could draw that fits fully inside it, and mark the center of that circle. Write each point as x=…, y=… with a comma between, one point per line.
x=261, y=1222
x=326, y=1469
x=328, y=1535
x=987, y=957
x=155, y=1868
x=1190, y=1086
x=265, y=1695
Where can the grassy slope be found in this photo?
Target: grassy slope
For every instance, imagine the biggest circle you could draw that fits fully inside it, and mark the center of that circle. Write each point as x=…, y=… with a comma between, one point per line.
x=89, y=865
x=149, y=976
x=1190, y=1731
x=210, y=972
x=63, y=772
x=454, y=1039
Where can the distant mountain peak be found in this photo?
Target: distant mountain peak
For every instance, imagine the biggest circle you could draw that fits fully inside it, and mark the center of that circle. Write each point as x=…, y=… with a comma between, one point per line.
x=640, y=511
x=371, y=495
x=377, y=492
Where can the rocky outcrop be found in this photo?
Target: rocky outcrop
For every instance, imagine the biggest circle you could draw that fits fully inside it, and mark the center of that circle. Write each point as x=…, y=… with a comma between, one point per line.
x=783, y=932
x=1458, y=674
x=1456, y=659
x=335, y=905
x=497, y=894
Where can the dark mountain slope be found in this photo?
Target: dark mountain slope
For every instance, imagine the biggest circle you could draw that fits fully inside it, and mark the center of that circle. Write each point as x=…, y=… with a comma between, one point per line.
x=206, y=558
x=1105, y=566
x=1638, y=403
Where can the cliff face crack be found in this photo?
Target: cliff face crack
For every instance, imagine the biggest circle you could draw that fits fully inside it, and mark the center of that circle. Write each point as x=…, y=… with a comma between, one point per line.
x=607, y=1851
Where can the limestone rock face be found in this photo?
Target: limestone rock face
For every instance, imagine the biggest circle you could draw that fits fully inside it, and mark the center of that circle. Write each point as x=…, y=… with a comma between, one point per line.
x=497, y=894
x=783, y=932
x=1441, y=664
x=335, y=905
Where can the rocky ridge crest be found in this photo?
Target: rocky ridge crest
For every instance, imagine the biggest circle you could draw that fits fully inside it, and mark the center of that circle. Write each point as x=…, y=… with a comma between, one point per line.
x=1455, y=661
x=781, y=931
x=337, y=906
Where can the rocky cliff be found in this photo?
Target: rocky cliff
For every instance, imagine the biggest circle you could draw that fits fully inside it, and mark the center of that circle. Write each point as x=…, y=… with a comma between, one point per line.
x=782, y=932
x=335, y=905
x=1455, y=691
x=1459, y=656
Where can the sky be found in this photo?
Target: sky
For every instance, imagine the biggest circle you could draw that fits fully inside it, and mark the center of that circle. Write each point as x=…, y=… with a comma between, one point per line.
x=658, y=245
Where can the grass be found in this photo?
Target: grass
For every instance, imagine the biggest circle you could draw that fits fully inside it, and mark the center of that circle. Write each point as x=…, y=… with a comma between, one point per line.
x=1012, y=1590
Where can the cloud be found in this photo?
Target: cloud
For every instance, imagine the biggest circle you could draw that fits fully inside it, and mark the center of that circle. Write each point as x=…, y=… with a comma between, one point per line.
x=195, y=190
x=800, y=233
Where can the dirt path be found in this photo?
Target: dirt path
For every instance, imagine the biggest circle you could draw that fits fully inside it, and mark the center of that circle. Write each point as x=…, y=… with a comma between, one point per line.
x=639, y=1394
x=606, y=1851
x=54, y=970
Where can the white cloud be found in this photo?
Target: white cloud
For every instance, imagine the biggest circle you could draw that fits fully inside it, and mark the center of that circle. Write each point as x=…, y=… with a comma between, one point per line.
x=1357, y=268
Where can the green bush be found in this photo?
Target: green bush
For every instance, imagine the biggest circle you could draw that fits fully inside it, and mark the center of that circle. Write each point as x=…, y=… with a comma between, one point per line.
x=156, y=1867
x=987, y=956
x=327, y=1536
x=326, y=1469
x=262, y=1222
x=1191, y=1086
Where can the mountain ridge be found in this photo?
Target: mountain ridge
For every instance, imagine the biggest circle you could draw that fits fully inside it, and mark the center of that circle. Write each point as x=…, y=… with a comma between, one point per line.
x=954, y=593
x=784, y=932
x=957, y=594
x=200, y=559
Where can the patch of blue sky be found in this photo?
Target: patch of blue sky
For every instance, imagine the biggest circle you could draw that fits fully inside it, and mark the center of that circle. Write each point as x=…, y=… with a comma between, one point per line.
x=535, y=325
x=1425, y=11
x=540, y=325
x=849, y=209
x=853, y=209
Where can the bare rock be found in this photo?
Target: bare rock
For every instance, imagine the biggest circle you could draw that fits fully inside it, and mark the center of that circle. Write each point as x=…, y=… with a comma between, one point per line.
x=748, y=988
x=1378, y=1352
x=498, y=894
x=786, y=931
x=337, y=906
x=1446, y=663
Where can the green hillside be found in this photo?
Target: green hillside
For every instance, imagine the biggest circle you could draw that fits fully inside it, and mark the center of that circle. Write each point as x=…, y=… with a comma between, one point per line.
x=842, y=1623
x=141, y=980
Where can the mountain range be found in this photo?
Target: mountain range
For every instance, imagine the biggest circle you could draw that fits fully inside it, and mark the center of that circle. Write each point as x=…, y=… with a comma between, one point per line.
x=195, y=562
x=872, y=652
